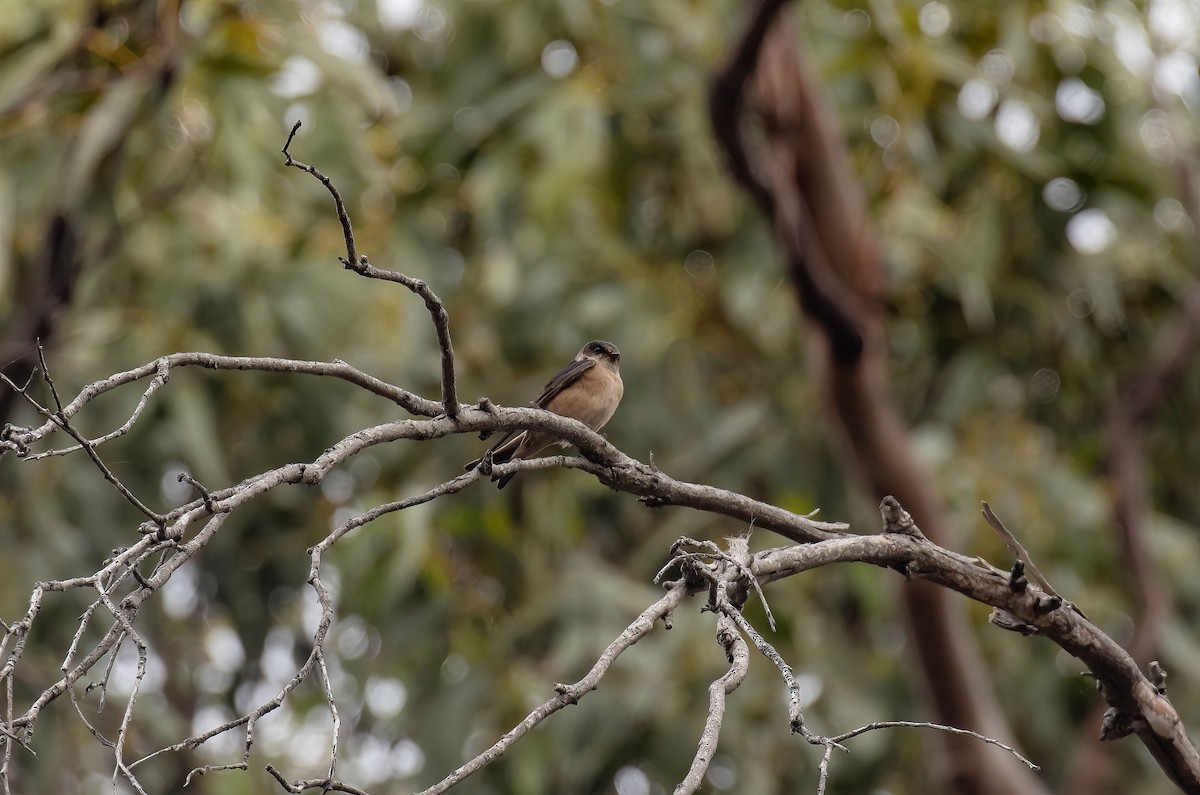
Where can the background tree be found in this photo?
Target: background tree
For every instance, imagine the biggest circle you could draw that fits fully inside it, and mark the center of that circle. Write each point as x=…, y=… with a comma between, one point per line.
x=549, y=169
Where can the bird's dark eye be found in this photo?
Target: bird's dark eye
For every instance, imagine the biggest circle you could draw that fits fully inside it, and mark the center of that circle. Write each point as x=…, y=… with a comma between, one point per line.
x=597, y=349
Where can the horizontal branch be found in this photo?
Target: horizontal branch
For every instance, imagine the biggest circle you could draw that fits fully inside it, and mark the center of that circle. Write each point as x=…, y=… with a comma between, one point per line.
x=17, y=437
x=614, y=468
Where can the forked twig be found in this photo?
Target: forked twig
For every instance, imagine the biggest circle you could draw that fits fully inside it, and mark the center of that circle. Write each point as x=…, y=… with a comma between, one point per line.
x=59, y=419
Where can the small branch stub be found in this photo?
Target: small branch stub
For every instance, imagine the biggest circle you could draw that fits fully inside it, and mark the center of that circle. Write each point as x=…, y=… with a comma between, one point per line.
x=1157, y=676
x=898, y=520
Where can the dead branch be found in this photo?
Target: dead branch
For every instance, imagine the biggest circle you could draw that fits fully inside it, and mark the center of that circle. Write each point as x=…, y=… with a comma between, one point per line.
x=437, y=310
x=570, y=694
x=1138, y=705
x=1136, y=701
x=1132, y=697
x=600, y=458
x=835, y=742
x=739, y=664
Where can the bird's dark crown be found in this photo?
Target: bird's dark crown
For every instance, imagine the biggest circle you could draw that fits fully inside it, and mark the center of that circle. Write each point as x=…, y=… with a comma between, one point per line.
x=602, y=348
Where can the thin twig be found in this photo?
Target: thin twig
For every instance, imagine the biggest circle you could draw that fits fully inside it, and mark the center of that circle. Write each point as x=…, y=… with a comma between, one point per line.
x=714, y=552
x=46, y=374
x=316, y=657
x=323, y=784
x=1018, y=550
x=327, y=688
x=127, y=717
x=59, y=419
x=569, y=694
x=908, y=724
x=155, y=384
x=9, y=737
x=835, y=742
x=360, y=265
x=739, y=663
x=352, y=260
x=795, y=713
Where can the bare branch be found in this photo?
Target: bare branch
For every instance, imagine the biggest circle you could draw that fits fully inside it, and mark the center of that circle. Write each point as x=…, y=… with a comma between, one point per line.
x=46, y=375
x=155, y=383
x=908, y=724
x=795, y=714
x=327, y=689
x=739, y=663
x=360, y=265
x=1125, y=687
x=16, y=436
x=123, y=732
x=835, y=742
x=738, y=557
x=441, y=490
x=58, y=418
x=9, y=737
x=569, y=694
x=352, y=259
x=323, y=784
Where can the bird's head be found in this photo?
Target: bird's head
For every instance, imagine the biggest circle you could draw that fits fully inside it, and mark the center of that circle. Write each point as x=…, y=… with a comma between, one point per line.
x=603, y=352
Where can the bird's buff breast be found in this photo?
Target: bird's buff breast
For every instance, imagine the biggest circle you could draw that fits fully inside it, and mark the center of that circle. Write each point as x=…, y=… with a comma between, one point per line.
x=595, y=399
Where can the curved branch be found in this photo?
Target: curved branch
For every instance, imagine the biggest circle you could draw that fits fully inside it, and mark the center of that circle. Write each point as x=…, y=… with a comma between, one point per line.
x=359, y=264
x=323, y=784
x=835, y=742
x=58, y=420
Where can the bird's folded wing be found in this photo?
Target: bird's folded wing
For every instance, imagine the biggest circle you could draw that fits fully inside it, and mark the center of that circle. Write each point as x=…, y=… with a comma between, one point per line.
x=569, y=375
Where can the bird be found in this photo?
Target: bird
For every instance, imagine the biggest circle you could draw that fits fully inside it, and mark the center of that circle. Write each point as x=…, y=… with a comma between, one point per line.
x=588, y=389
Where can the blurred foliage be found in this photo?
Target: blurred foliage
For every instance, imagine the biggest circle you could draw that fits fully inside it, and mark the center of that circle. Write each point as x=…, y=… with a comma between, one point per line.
x=547, y=167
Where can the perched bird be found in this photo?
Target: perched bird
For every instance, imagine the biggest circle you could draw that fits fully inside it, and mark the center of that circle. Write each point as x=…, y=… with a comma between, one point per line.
x=588, y=389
